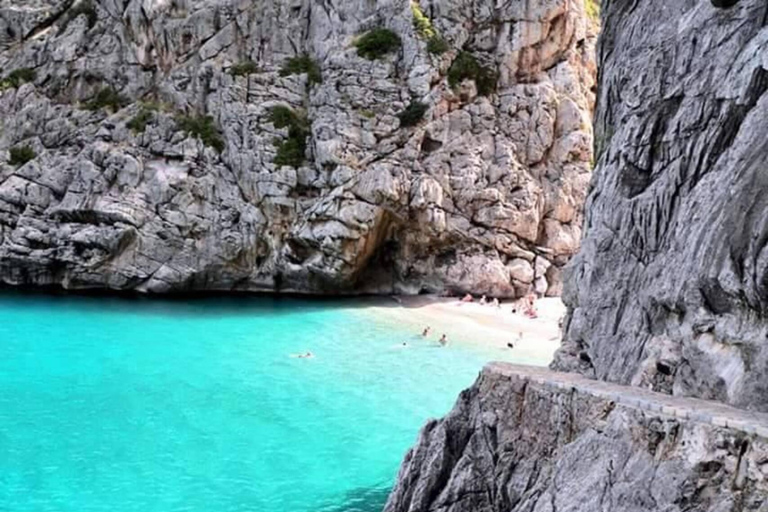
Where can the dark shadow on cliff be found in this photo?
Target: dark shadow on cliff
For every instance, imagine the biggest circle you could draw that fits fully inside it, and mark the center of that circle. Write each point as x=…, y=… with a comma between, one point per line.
x=213, y=303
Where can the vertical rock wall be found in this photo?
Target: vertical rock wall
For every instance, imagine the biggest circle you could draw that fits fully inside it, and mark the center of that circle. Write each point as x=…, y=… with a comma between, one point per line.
x=669, y=289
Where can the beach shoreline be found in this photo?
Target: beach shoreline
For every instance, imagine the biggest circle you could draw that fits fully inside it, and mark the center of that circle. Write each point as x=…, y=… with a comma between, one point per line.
x=470, y=323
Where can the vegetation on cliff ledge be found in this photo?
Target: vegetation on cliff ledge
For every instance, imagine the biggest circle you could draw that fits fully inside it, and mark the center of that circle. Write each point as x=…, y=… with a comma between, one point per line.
x=20, y=155
x=466, y=67
x=17, y=77
x=593, y=10
x=376, y=43
x=423, y=25
x=303, y=64
x=412, y=114
x=81, y=8
x=244, y=68
x=292, y=151
x=203, y=128
x=107, y=98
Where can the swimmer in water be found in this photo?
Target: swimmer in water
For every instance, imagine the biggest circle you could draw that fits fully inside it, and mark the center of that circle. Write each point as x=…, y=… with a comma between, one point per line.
x=443, y=340
x=425, y=333
x=308, y=355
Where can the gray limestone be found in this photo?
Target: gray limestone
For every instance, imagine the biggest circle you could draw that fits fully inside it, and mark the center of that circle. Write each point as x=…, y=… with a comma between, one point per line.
x=528, y=439
x=669, y=288
x=472, y=198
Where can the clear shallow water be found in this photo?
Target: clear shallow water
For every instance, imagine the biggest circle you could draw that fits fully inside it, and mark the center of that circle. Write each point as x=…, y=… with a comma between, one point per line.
x=109, y=404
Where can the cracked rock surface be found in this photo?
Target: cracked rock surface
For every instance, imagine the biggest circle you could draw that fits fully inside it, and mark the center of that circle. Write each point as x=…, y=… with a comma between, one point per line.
x=513, y=445
x=483, y=194
x=669, y=290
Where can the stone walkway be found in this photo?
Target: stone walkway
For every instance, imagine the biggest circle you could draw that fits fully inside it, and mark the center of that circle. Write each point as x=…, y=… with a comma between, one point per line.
x=692, y=409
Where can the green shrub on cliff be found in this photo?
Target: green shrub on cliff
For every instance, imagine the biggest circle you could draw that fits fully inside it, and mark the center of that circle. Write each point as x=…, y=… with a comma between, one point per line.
x=423, y=26
x=107, y=98
x=20, y=155
x=81, y=8
x=17, y=77
x=244, y=68
x=303, y=64
x=291, y=151
x=140, y=121
x=466, y=67
x=593, y=10
x=437, y=45
x=203, y=128
x=376, y=43
x=412, y=114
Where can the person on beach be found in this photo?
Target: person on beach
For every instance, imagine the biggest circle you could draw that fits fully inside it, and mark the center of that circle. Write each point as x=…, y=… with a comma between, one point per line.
x=443, y=340
x=530, y=306
x=468, y=298
x=496, y=303
x=510, y=345
x=483, y=300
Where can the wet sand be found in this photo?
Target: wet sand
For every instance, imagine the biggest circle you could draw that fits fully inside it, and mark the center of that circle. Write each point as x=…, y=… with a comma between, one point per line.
x=534, y=340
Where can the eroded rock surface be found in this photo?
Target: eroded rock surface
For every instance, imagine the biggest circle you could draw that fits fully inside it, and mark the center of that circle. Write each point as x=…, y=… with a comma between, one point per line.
x=524, y=440
x=483, y=195
x=669, y=289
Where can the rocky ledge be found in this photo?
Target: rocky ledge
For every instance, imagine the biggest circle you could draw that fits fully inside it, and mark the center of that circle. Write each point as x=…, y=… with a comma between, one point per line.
x=530, y=439
x=322, y=147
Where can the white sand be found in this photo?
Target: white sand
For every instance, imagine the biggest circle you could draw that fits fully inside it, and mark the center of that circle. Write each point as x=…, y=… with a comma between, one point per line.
x=534, y=340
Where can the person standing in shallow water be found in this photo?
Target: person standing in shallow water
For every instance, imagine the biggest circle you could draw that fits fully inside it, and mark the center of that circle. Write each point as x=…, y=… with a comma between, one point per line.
x=443, y=340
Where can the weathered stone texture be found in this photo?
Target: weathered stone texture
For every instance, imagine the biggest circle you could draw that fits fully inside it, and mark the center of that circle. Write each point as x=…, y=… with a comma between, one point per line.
x=524, y=440
x=669, y=288
x=473, y=198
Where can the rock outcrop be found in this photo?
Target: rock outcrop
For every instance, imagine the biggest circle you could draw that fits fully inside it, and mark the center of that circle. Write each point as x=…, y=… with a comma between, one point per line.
x=667, y=297
x=669, y=290
x=523, y=439
x=343, y=188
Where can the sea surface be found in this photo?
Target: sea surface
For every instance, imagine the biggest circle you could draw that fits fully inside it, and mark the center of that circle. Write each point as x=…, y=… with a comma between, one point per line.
x=133, y=405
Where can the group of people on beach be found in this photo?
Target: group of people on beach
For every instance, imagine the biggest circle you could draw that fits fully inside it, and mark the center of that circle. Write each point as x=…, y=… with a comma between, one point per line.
x=528, y=304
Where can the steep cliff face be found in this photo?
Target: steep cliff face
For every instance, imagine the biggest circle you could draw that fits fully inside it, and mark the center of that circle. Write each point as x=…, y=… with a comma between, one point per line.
x=456, y=158
x=668, y=293
x=669, y=290
x=525, y=440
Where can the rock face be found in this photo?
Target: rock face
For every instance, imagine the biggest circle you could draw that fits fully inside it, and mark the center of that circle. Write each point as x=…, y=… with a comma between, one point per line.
x=669, y=293
x=483, y=194
x=521, y=440
x=670, y=288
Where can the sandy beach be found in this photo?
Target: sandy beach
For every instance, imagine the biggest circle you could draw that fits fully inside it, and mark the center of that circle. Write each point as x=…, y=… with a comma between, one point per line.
x=534, y=340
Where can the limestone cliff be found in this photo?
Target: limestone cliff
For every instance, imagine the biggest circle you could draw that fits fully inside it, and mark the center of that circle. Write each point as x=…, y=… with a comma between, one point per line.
x=670, y=288
x=668, y=295
x=302, y=145
x=526, y=440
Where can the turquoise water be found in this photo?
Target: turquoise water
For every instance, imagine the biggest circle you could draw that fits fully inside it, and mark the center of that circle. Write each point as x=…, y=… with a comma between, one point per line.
x=110, y=404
